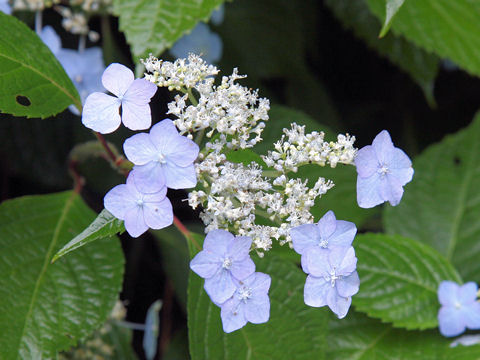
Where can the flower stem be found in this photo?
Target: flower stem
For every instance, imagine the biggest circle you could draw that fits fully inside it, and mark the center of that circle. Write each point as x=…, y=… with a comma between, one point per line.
x=82, y=43
x=38, y=22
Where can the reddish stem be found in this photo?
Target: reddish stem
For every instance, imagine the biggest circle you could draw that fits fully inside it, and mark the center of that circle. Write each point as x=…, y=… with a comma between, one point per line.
x=78, y=181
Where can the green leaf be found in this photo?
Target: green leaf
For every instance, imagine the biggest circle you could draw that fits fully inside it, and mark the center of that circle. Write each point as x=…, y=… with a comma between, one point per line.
x=420, y=65
x=341, y=199
x=392, y=7
x=32, y=81
x=104, y=225
x=448, y=28
x=360, y=338
x=153, y=26
x=49, y=307
x=294, y=331
x=245, y=156
x=441, y=205
x=399, y=280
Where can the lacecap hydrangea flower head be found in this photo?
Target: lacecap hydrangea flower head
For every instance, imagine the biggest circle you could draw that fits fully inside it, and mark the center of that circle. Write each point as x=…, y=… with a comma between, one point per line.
x=382, y=170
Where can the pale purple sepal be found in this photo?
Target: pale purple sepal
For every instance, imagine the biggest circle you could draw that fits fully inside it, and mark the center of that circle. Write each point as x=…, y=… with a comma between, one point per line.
x=460, y=309
x=327, y=234
x=162, y=157
x=332, y=280
x=382, y=171
x=249, y=303
x=138, y=210
x=201, y=41
x=133, y=95
x=223, y=260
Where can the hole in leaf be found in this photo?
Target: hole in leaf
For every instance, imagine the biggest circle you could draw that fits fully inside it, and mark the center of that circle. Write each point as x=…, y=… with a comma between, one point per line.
x=456, y=160
x=23, y=100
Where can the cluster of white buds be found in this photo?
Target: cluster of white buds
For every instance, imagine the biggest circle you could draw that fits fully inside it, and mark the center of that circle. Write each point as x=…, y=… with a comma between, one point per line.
x=296, y=148
x=245, y=199
x=33, y=5
x=92, y=5
x=180, y=75
x=229, y=109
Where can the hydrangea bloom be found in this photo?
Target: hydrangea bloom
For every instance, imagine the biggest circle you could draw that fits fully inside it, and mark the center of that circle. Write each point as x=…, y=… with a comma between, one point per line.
x=460, y=308
x=101, y=111
x=223, y=260
x=200, y=41
x=217, y=15
x=382, y=170
x=162, y=157
x=249, y=303
x=5, y=7
x=328, y=233
x=84, y=68
x=139, y=211
x=333, y=279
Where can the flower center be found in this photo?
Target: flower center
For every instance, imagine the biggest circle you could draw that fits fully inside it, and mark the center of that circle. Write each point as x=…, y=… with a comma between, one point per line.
x=383, y=169
x=323, y=244
x=244, y=293
x=333, y=277
x=161, y=158
x=227, y=263
x=140, y=202
x=458, y=305
x=78, y=79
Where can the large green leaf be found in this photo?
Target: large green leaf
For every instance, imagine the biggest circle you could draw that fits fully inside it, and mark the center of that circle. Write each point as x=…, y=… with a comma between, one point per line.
x=420, y=65
x=359, y=338
x=49, y=307
x=32, y=81
x=399, y=280
x=441, y=206
x=104, y=225
x=449, y=28
x=342, y=198
x=153, y=26
x=294, y=331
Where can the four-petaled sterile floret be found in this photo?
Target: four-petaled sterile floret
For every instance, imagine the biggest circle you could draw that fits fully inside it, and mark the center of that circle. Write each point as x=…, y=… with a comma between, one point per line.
x=249, y=303
x=332, y=279
x=162, y=158
x=101, y=111
x=140, y=211
x=224, y=259
x=382, y=170
x=460, y=309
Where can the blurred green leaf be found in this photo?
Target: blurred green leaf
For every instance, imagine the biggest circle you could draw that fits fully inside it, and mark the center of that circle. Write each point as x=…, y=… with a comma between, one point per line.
x=441, y=205
x=32, y=81
x=104, y=225
x=448, y=28
x=361, y=338
x=294, y=331
x=49, y=307
x=399, y=280
x=392, y=7
x=279, y=68
x=153, y=26
x=245, y=156
x=420, y=65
